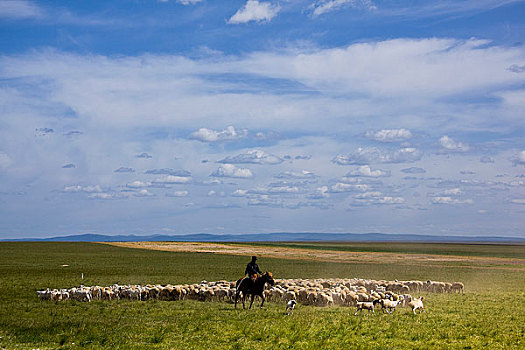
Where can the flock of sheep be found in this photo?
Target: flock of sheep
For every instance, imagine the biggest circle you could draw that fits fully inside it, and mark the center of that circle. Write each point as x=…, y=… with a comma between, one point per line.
x=361, y=293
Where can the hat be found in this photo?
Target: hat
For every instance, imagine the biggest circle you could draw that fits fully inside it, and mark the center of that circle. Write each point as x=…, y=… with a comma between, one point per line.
x=254, y=257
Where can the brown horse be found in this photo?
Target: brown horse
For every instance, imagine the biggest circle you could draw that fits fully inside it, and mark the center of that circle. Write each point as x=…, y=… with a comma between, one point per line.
x=250, y=287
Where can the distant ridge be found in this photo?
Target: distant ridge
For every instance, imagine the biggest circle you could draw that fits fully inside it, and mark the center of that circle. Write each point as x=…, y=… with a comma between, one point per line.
x=278, y=237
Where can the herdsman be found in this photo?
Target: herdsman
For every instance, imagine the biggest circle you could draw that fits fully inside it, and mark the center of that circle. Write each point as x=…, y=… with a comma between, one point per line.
x=252, y=269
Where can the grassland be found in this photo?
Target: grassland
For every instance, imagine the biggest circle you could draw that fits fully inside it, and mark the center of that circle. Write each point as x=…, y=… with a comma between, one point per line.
x=490, y=315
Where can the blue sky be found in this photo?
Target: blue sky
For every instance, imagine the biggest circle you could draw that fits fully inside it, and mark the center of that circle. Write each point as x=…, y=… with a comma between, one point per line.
x=176, y=117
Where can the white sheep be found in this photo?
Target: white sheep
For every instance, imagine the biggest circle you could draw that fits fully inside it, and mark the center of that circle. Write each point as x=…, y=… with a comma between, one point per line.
x=417, y=304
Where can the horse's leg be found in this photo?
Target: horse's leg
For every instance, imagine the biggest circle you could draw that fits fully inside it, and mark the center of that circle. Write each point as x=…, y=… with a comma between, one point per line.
x=243, y=300
x=263, y=299
x=236, y=297
x=251, y=303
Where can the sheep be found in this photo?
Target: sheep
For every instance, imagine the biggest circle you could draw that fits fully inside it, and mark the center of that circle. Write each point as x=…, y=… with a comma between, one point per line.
x=457, y=287
x=388, y=304
x=417, y=304
x=366, y=305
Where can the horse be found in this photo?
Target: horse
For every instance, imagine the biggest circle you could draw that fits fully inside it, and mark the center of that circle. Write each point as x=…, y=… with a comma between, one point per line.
x=250, y=287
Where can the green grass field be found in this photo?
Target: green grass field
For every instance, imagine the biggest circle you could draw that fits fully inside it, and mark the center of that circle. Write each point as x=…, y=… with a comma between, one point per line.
x=490, y=315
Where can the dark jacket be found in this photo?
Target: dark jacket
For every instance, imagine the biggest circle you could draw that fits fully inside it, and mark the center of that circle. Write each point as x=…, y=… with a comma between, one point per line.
x=252, y=269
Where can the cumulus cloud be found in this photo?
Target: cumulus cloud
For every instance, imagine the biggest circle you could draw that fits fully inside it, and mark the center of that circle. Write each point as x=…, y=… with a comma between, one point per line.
x=320, y=193
x=138, y=184
x=371, y=154
x=449, y=200
x=240, y=193
x=230, y=170
x=79, y=188
x=256, y=11
x=177, y=194
x=366, y=171
x=303, y=174
x=144, y=155
x=413, y=170
x=389, y=135
x=486, y=159
x=68, y=166
x=388, y=200
x=252, y=157
x=124, y=170
x=344, y=187
x=209, y=135
x=276, y=189
x=104, y=195
x=168, y=171
x=321, y=7
x=519, y=159
x=368, y=195
x=143, y=193
x=451, y=145
x=172, y=179
x=451, y=192
x=265, y=200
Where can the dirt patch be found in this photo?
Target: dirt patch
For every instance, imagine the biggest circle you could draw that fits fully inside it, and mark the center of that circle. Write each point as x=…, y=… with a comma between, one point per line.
x=331, y=256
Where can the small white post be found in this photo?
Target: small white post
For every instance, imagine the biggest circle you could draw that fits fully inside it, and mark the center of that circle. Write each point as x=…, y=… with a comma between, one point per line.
x=82, y=276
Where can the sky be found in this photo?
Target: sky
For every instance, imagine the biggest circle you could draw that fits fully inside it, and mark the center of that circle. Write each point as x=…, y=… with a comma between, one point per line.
x=197, y=116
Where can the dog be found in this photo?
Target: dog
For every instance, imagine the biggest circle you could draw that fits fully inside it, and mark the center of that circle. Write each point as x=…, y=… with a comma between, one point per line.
x=290, y=307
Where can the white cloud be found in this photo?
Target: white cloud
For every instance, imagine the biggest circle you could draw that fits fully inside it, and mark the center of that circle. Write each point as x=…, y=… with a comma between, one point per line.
x=228, y=134
x=368, y=195
x=389, y=200
x=451, y=192
x=256, y=11
x=320, y=193
x=371, y=154
x=103, y=195
x=344, y=187
x=449, y=200
x=177, y=194
x=252, y=157
x=389, y=135
x=321, y=7
x=304, y=174
x=240, y=193
x=519, y=158
x=451, y=145
x=87, y=189
x=138, y=184
x=188, y=2
x=19, y=9
x=366, y=171
x=172, y=179
x=230, y=170
x=143, y=193
x=265, y=200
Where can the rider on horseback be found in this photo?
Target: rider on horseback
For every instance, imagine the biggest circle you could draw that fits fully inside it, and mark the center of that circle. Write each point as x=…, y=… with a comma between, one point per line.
x=252, y=269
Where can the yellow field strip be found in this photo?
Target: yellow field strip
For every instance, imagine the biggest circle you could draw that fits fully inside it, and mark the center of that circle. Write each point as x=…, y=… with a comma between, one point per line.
x=331, y=256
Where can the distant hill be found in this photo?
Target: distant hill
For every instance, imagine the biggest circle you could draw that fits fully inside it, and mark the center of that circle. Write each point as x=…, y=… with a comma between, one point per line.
x=279, y=237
